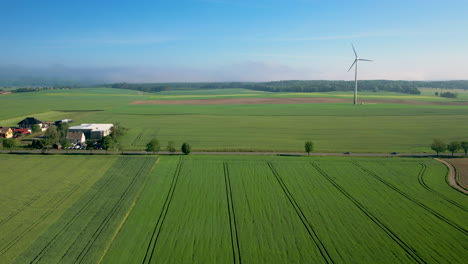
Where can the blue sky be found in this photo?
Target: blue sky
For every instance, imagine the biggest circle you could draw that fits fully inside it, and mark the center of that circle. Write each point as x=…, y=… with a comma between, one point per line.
x=226, y=40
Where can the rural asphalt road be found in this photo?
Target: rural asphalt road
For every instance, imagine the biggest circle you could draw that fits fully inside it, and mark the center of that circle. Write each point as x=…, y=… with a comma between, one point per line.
x=103, y=152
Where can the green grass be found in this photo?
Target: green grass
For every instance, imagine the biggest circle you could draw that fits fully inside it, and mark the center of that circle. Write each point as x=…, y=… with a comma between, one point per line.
x=64, y=209
x=282, y=127
x=203, y=209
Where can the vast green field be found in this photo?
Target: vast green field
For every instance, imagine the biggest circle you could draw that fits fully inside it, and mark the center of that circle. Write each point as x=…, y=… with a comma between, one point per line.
x=65, y=209
x=333, y=127
x=229, y=209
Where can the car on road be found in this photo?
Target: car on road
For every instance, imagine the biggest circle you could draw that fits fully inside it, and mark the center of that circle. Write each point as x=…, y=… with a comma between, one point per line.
x=347, y=153
x=393, y=153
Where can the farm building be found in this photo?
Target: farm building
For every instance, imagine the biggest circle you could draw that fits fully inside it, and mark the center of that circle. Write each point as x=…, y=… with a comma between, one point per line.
x=93, y=131
x=6, y=132
x=28, y=122
x=21, y=131
x=63, y=121
x=76, y=137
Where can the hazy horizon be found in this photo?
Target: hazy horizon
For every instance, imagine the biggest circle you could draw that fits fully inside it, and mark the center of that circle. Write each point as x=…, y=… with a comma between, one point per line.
x=224, y=40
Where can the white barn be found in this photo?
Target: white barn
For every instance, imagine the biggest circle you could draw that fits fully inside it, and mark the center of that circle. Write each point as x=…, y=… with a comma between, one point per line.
x=93, y=131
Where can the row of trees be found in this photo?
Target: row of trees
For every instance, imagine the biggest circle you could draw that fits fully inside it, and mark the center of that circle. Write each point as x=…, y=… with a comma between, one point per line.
x=154, y=146
x=439, y=145
x=407, y=87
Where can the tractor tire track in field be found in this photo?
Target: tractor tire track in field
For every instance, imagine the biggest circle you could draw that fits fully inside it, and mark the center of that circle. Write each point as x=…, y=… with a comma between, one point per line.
x=409, y=250
x=109, y=216
x=162, y=216
x=138, y=137
x=13, y=214
x=320, y=246
x=72, y=220
x=232, y=216
x=425, y=186
x=420, y=204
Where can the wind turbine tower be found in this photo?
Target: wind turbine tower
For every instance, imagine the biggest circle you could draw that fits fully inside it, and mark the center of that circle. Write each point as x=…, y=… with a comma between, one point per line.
x=355, y=64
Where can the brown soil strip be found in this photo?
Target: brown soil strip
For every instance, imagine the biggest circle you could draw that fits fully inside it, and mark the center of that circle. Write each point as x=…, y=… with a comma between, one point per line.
x=292, y=100
x=1, y=93
x=460, y=170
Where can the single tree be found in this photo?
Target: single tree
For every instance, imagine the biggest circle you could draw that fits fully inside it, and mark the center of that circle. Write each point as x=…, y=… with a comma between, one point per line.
x=38, y=144
x=35, y=128
x=464, y=146
x=65, y=143
x=9, y=143
x=108, y=143
x=62, y=129
x=171, y=146
x=90, y=144
x=52, y=135
x=186, y=148
x=454, y=146
x=153, y=146
x=309, y=147
x=438, y=145
x=117, y=131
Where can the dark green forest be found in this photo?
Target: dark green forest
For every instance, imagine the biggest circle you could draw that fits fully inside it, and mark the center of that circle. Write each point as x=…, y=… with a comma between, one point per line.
x=407, y=87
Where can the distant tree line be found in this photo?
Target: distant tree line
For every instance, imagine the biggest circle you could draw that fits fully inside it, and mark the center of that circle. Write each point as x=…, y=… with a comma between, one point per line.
x=448, y=95
x=407, y=87
x=144, y=87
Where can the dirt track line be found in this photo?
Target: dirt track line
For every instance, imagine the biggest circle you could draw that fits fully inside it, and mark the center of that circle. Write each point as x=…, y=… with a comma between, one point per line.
x=408, y=249
x=413, y=200
x=451, y=177
x=162, y=216
x=232, y=216
x=423, y=184
x=313, y=235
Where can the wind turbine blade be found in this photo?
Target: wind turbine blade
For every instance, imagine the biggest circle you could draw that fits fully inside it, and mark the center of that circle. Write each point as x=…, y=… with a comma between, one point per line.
x=365, y=60
x=352, y=65
x=354, y=50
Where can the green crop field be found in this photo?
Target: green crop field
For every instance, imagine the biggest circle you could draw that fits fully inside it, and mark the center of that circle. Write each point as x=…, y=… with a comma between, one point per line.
x=294, y=210
x=228, y=209
x=333, y=127
x=65, y=209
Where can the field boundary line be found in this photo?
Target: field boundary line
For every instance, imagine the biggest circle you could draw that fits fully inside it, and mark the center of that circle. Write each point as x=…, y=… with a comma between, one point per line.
x=119, y=228
x=408, y=249
x=232, y=216
x=62, y=231
x=162, y=216
x=315, y=238
x=112, y=212
x=413, y=200
x=425, y=186
x=452, y=178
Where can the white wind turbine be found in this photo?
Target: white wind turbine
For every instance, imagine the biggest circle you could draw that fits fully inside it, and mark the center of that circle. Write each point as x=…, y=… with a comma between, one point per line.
x=355, y=74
